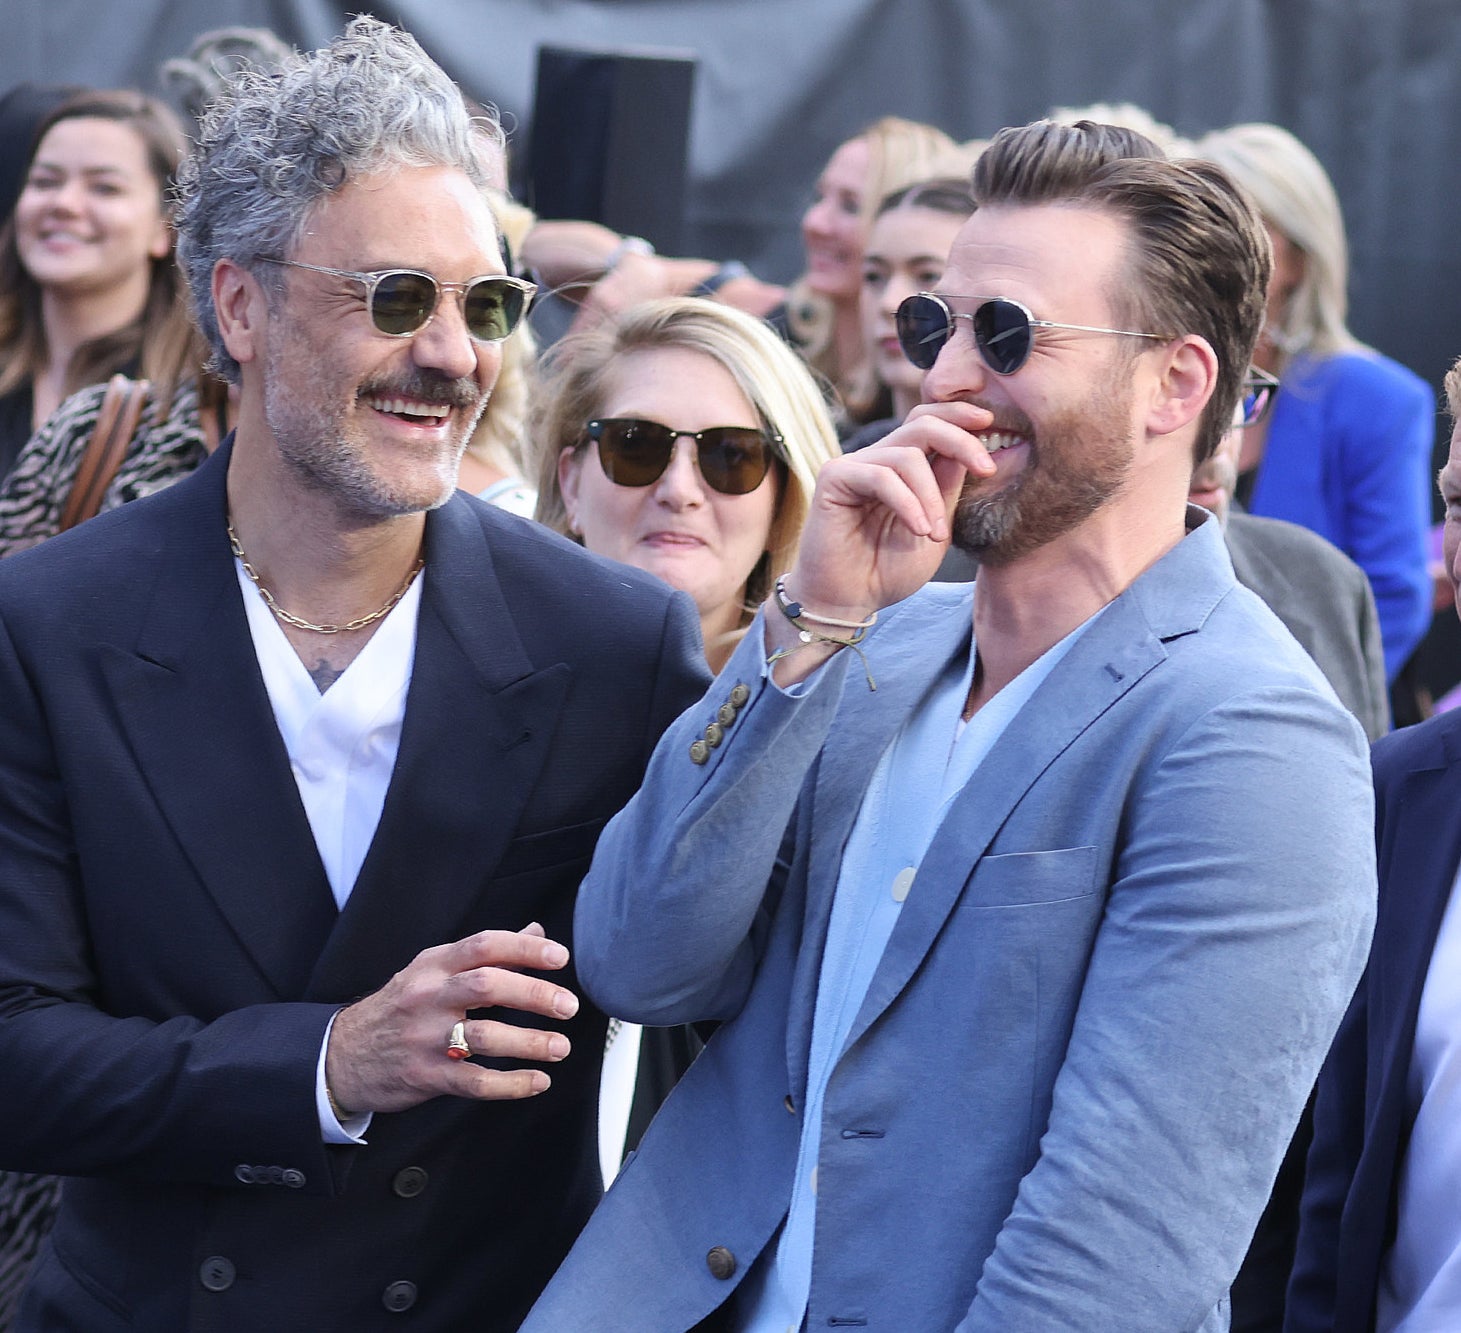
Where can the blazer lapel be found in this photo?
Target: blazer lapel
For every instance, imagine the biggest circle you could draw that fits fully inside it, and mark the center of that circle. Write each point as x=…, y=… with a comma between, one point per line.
x=920, y=643
x=1112, y=655
x=1423, y=848
x=194, y=708
x=479, y=720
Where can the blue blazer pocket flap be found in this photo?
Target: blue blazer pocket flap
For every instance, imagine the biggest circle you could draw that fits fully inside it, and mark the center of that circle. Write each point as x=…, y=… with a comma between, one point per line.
x=1019, y=879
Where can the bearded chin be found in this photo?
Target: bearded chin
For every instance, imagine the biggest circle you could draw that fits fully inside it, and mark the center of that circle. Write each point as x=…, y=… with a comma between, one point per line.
x=983, y=524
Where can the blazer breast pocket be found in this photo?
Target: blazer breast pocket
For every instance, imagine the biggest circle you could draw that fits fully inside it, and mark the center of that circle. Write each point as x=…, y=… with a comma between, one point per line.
x=556, y=847
x=1024, y=879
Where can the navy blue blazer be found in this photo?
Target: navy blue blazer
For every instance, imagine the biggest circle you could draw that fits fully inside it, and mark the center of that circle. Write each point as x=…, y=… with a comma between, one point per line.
x=1362, y=1118
x=170, y=953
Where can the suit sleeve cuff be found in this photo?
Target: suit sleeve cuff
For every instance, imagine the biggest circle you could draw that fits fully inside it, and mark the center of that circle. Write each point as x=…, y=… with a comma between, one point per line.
x=332, y=1128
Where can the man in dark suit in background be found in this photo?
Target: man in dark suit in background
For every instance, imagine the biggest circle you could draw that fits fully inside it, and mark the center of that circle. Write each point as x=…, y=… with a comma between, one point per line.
x=1324, y=601
x=1380, y=1230
x=1320, y=594
x=274, y=737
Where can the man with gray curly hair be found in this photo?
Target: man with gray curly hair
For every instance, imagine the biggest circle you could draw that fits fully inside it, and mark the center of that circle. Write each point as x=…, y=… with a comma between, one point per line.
x=307, y=727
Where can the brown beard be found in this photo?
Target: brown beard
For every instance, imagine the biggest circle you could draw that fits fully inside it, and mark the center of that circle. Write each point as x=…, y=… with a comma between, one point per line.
x=1075, y=463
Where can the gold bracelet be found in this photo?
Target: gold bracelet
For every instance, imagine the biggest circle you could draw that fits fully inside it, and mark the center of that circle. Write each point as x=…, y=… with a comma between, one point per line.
x=341, y=1116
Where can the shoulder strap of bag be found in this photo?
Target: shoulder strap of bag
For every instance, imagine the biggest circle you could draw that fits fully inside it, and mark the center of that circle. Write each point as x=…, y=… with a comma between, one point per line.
x=116, y=423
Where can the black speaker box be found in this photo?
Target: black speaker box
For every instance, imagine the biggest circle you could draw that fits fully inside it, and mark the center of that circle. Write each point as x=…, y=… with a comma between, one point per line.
x=610, y=139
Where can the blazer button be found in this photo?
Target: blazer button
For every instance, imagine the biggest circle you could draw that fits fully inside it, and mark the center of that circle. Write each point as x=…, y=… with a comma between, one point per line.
x=714, y=734
x=739, y=695
x=409, y=1182
x=217, y=1273
x=293, y=1177
x=699, y=752
x=725, y=714
x=244, y=1174
x=721, y=1263
x=399, y=1297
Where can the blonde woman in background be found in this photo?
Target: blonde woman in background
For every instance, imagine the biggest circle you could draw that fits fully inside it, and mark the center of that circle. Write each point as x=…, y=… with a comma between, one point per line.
x=818, y=314
x=1346, y=450
x=823, y=308
x=620, y=468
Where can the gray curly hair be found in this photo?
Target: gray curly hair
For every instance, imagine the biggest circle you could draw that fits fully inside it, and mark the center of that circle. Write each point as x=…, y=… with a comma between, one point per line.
x=272, y=145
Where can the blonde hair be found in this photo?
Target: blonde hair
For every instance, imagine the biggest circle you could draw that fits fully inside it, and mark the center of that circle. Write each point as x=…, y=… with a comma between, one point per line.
x=1294, y=194
x=900, y=152
x=574, y=375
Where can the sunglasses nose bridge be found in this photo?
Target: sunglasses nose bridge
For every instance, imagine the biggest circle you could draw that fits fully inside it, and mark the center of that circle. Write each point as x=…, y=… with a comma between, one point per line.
x=443, y=340
x=960, y=368
x=681, y=481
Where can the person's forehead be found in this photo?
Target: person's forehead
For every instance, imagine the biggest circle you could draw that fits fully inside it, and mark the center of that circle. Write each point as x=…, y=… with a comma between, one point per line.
x=434, y=218
x=847, y=168
x=915, y=229
x=1050, y=256
x=91, y=141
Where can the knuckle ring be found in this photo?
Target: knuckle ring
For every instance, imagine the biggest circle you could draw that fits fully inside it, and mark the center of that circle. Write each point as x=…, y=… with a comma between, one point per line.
x=456, y=1043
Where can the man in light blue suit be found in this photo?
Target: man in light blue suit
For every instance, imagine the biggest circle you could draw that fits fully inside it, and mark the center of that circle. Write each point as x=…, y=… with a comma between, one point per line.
x=1025, y=961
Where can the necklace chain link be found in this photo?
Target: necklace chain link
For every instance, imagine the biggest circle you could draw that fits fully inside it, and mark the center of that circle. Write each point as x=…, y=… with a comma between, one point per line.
x=360, y=622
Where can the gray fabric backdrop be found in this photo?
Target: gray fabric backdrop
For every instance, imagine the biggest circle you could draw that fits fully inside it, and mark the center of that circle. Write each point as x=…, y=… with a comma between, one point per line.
x=1373, y=86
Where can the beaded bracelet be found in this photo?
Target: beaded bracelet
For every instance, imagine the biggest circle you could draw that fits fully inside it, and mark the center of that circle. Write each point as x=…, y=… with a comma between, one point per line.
x=796, y=612
x=799, y=616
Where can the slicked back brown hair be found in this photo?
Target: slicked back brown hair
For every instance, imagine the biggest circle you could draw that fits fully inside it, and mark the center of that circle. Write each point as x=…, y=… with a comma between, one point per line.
x=1199, y=257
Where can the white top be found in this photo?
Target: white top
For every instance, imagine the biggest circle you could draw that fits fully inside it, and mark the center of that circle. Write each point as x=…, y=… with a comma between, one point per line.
x=342, y=748
x=616, y=1094
x=512, y=494
x=1420, y=1280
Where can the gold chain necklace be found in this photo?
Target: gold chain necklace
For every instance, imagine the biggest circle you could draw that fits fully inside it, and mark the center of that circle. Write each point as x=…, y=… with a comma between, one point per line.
x=360, y=622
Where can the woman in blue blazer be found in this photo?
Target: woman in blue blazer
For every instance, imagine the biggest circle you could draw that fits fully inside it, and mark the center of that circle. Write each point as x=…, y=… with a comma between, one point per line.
x=1346, y=451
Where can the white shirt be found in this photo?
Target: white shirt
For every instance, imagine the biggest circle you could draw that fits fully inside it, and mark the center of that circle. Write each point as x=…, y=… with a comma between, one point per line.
x=342, y=748
x=1420, y=1279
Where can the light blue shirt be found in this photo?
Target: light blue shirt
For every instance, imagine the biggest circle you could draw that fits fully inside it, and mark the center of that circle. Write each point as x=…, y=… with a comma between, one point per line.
x=920, y=773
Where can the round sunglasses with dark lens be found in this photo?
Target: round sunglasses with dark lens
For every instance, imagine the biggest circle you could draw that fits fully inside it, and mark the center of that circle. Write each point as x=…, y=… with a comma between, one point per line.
x=733, y=460
x=1004, y=330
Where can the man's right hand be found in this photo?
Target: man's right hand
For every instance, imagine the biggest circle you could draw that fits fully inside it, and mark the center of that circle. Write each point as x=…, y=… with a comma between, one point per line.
x=880, y=522
x=387, y=1052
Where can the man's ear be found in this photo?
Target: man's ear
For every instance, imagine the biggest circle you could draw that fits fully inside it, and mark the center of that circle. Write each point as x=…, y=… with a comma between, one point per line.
x=241, y=309
x=1189, y=372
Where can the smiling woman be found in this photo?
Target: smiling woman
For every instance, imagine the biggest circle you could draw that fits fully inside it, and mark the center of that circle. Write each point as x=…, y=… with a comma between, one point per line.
x=684, y=438
x=87, y=282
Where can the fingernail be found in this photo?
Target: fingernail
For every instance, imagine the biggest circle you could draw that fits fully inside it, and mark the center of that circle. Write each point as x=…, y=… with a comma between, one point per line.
x=565, y=1004
x=554, y=955
x=539, y=1081
x=558, y=1046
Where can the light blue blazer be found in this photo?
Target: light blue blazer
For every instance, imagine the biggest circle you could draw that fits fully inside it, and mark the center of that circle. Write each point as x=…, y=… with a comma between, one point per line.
x=1098, y=1017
